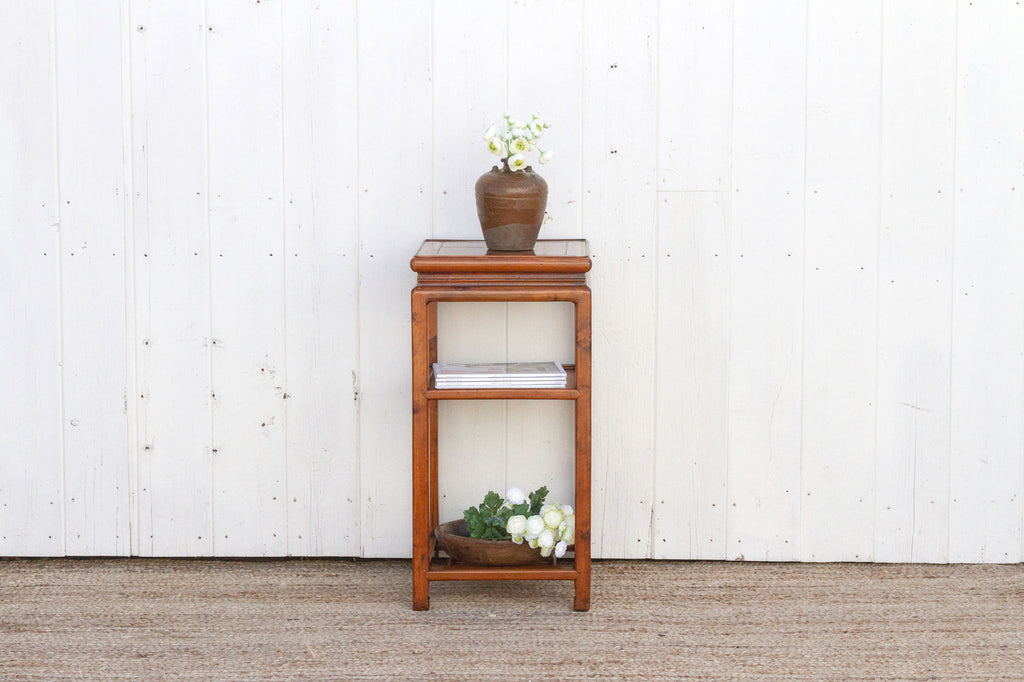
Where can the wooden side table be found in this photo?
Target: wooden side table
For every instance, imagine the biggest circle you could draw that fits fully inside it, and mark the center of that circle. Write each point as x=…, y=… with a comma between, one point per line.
x=464, y=271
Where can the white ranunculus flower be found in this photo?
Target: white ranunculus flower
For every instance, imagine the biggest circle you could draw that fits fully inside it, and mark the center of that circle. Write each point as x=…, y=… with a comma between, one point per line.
x=534, y=526
x=507, y=136
x=490, y=132
x=567, y=510
x=496, y=146
x=519, y=145
x=553, y=518
x=567, y=529
x=546, y=542
x=517, y=162
x=546, y=508
x=515, y=496
x=537, y=128
x=547, y=156
x=560, y=549
x=516, y=525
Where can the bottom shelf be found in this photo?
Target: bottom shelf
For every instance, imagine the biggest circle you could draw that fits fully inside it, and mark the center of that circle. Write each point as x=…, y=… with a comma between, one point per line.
x=440, y=569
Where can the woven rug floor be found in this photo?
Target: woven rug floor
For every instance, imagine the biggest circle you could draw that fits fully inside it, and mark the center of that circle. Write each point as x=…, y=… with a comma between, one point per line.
x=345, y=619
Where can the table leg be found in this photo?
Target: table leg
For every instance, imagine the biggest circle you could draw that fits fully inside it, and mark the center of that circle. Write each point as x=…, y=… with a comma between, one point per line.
x=432, y=412
x=582, y=550
x=420, y=455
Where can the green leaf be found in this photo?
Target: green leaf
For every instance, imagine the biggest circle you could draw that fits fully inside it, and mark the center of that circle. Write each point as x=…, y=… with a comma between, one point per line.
x=537, y=499
x=491, y=501
x=475, y=521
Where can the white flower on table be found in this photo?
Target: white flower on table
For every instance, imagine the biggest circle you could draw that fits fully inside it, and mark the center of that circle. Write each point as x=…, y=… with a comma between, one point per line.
x=513, y=138
x=515, y=496
x=519, y=145
x=516, y=527
x=560, y=548
x=546, y=542
x=567, y=529
x=496, y=146
x=553, y=518
x=534, y=527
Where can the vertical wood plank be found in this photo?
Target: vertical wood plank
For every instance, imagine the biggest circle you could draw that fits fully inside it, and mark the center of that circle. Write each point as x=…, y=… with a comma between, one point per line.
x=916, y=221
x=545, y=75
x=247, y=279
x=540, y=435
x=469, y=91
x=987, y=432
x=620, y=167
x=31, y=473
x=840, y=281
x=172, y=282
x=471, y=433
x=766, y=273
x=92, y=181
x=322, y=277
x=395, y=189
x=692, y=364
x=469, y=56
x=695, y=95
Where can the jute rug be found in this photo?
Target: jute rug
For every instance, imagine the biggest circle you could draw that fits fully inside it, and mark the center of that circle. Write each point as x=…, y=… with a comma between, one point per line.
x=344, y=619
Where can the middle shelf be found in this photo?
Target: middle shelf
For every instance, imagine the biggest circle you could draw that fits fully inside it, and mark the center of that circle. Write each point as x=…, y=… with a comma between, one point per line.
x=568, y=393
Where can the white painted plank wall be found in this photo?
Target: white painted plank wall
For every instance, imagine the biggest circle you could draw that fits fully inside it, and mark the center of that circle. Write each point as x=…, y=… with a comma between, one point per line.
x=321, y=261
x=840, y=278
x=92, y=182
x=172, y=280
x=31, y=454
x=987, y=406
x=766, y=280
x=808, y=315
x=247, y=282
x=620, y=61
x=919, y=52
x=395, y=189
x=694, y=127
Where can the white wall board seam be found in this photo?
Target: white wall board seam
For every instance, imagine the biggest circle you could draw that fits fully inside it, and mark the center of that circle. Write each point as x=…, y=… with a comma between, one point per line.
x=209, y=275
x=131, y=306
x=801, y=550
x=284, y=266
x=655, y=260
x=59, y=312
x=356, y=373
x=952, y=268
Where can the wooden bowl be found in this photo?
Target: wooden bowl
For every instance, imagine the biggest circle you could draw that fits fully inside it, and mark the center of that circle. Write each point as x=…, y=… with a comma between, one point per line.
x=453, y=538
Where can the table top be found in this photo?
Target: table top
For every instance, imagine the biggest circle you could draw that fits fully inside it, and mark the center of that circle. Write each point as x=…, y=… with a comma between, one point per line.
x=472, y=256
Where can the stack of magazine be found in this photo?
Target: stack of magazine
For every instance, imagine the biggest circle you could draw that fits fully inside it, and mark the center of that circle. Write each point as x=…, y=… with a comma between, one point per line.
x=499, y=375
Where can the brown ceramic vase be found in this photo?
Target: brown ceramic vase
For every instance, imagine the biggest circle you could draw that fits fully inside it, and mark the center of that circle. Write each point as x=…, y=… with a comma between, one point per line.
x=510, y=205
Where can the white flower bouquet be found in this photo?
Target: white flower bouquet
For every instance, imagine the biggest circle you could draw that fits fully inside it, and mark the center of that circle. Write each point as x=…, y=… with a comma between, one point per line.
x=521, y=518
x=515, y=138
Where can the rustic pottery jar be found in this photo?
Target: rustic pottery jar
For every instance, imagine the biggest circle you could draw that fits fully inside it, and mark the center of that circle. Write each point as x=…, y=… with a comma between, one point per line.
x=510, y=205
